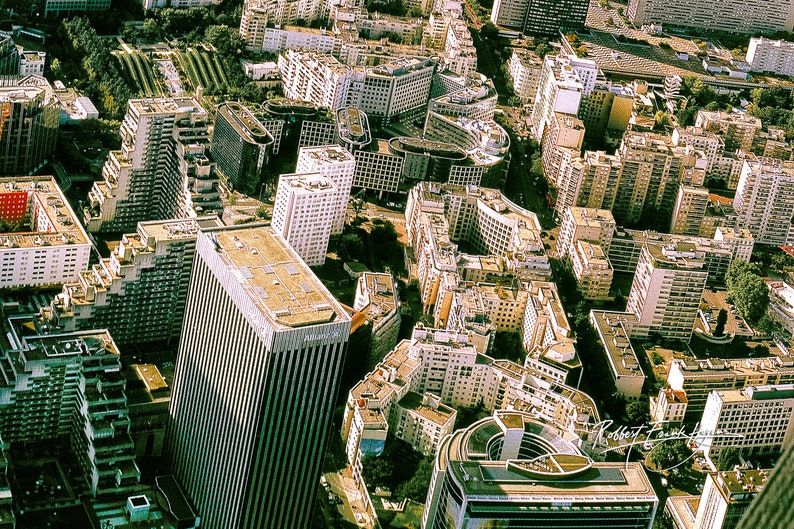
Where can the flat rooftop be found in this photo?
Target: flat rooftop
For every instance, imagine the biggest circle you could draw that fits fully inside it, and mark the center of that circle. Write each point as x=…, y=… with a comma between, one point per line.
x=178, y=229
x=279, y=282
x=621, y=355
x=327, y=154
x=244, y=123
x=167, y=105
x=63, y=227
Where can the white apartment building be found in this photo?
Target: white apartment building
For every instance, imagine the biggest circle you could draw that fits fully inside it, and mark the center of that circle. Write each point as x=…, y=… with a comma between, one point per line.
x=666, y=291
x=698, y=378
x=760, y=417
x=162, y=171
x=277, y=40
x=321, y=79
x=339, y=166
x=524, y=68
x=775, y=56
x=707, y=142
x=740, y=241
x=378, y=299
x=668, y=407
x=737, y=16
x=764, y=200
x=396, y=87
x=781, y=305
x=613, y=329
x=436, y=369
x=564, y=80
x=594, y=225
x=592, y=270
x=689, y=210
x=44, y=244
x=304, y=203
x=139, y=292
x=253, y=23
x=152, y=4
x=546, y=334
x=257, y=372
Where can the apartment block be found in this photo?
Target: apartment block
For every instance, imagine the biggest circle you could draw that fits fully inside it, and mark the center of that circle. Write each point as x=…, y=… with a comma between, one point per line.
x=378, y=299
x=339, y=166
x=698, y=378
x=258, y=317
x=240, y=146
x=442, y=369
x=760, y=420
x=162, y=171
x=774, y=56
x=546, y=335
x=737, y=129
x=139, y=292
x=690, y=208
x=44, y=244
x=764, y=200
x=594, y=225
x=717, y=255
x=564, y=80
x=668, y=407
x=592, y=270
x=564, y=133
x=320, y=79
x=303, y=205
x=540, y=17
x=734, y=16
x=69, y=6
x=30, y=129
x=614, y=329
x=70, y=385
x=666, y=291
x=397, y=88
x=524, y=68
x=528, y=482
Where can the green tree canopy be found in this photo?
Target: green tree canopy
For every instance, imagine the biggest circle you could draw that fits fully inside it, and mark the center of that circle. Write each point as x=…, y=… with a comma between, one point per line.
x=638, y=412
x=747, y=290
x=668, y=454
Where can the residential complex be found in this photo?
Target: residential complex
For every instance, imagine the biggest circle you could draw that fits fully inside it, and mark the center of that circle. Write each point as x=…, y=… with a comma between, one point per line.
x=775, y=56
x=564, y=80
x=139, y=292
x=756, y=420
x=304, y=203
x=734, y=16
x=162, y=171
x=518, y=469
x=251, y=412
x=378, y=299
x=240, y=146
x=70, y=385
x=411, y=393
x=764, y=200
x=593, y=225
x=666, y=291
x=42, y=243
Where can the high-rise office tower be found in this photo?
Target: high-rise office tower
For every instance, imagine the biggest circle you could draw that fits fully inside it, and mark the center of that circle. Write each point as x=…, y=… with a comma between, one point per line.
x=778, y=491
x=540, y=17
x=303, y=205
x=257, y=371
x=162, y=170
x=337, y=164
x=240, y=146
x=29, y=114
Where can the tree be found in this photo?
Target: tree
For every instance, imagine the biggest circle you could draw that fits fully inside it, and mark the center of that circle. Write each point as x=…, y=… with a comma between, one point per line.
x=667, y=454
x=150, y=29
x=416, y=487
x=722, y=319
x=661, y=120
x=638, y=412
x=377, y=471
x=351, y=247
x=728, y=458
x=489, y=31
x=225, y=39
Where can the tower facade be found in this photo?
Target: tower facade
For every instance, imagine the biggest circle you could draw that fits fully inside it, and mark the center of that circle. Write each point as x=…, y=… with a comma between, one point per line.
x=257, y=371
x=337, y=164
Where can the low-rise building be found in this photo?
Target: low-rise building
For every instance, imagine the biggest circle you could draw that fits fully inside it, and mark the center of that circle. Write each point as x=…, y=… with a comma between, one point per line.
x=668, y=407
